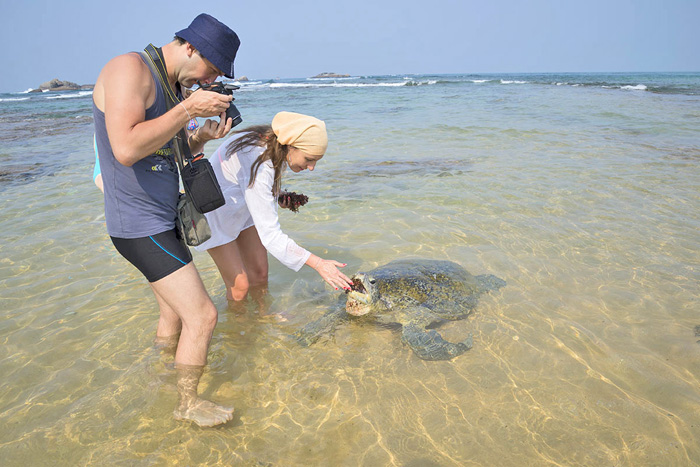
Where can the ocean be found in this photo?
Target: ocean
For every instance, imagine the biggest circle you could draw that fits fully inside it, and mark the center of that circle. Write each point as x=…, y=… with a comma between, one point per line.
x=581, y=191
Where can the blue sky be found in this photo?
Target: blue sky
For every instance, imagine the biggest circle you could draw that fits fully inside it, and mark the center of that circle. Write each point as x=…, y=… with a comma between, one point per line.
x=72, y=40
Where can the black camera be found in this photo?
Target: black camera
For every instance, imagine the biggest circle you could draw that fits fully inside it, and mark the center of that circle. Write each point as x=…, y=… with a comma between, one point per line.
x=232, y=112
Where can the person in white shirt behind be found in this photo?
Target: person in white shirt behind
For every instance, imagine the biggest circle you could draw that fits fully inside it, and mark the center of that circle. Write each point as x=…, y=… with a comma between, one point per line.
x=249, y=169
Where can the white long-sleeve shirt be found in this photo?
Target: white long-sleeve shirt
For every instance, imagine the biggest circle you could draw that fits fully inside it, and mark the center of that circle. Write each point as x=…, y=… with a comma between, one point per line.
x=247, y=206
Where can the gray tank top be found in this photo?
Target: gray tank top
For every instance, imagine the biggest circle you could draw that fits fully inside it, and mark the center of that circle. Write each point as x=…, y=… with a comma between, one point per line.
x=140, y=200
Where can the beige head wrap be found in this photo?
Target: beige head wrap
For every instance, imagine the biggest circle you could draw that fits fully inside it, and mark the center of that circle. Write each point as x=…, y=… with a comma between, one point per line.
x=301, y=131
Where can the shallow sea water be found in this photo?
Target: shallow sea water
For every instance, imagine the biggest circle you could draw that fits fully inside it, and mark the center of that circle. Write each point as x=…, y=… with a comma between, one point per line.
x=584, y=199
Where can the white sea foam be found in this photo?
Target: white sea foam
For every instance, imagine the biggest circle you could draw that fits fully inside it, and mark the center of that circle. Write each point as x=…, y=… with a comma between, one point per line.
x=512, y=82
x=252, y=87
x=14, y=99
x=71, y=96
x=639, y=87
x=297, y=85
x=338, y=85
x=246, y=83
x=480, y=81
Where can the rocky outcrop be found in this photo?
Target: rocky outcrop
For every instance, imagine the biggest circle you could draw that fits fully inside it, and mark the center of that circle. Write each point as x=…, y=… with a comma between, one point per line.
x=326, y=74
x=242, y=79
x=58, y=85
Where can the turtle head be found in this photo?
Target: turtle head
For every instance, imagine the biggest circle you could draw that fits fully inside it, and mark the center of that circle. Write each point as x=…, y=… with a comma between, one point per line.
x=359, y=301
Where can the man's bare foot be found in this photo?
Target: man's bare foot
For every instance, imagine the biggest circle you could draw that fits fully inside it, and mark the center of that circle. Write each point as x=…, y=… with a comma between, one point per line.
x=204, y=413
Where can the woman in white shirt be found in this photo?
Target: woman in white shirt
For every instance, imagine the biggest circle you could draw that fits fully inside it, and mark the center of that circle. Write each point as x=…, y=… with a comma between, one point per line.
x=249, y=169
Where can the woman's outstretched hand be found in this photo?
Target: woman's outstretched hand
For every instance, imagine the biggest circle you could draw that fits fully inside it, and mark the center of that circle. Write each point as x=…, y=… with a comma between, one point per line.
x=328, y=270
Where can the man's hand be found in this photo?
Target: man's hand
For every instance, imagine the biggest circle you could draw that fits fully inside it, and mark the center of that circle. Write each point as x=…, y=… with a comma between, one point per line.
x=211, y=129
x=206, y=104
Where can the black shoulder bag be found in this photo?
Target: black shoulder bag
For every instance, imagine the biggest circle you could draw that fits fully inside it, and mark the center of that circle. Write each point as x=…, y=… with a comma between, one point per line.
x=202, y=191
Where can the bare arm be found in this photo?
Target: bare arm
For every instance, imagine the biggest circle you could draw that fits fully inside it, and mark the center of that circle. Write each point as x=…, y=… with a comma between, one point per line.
x=124, y=90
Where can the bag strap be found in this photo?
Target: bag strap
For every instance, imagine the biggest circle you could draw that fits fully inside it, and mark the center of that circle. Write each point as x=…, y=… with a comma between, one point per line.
x=154, y=59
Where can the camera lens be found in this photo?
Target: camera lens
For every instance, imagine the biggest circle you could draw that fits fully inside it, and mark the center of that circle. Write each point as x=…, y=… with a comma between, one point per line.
x=233, y=113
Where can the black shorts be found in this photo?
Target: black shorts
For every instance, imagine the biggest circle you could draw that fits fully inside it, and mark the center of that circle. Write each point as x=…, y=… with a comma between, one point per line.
x=156, y=256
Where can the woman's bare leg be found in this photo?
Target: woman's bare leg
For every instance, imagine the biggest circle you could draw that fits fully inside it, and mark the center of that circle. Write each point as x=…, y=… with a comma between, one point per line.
x=230, y=264
x=242, y=263
x=254, y=257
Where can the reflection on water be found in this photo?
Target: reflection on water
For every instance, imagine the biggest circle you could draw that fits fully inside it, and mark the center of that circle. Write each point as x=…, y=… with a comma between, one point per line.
x=589, y=356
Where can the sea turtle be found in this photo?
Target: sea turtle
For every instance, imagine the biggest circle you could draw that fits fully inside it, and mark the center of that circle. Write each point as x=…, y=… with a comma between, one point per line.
x=414, y=294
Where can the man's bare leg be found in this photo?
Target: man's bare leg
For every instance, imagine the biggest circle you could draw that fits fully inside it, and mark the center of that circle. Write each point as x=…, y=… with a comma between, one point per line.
x=169, y=327
x=183, y=293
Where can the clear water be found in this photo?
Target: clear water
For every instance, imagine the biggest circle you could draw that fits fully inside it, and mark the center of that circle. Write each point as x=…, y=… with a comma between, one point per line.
x=581, y=191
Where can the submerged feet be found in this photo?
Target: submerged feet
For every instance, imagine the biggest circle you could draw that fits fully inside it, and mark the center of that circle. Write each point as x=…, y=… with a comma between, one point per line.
x=191, y=406
x=203, y=412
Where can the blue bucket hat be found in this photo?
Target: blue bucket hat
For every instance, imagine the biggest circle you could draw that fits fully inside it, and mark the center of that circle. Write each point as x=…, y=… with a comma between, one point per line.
x=214, y=40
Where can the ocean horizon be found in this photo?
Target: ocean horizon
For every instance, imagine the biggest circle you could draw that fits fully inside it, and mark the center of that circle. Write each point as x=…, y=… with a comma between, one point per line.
x=624, y=80
x=580, y=190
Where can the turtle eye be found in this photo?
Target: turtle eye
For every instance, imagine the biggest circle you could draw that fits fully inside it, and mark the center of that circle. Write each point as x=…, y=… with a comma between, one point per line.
x=372, y=281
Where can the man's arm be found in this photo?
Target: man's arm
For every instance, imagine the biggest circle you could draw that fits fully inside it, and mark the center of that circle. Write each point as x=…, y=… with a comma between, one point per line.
x=125, y=90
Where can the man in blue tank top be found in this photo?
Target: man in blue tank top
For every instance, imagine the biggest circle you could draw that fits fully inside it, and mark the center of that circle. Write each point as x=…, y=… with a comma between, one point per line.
x=133, y=131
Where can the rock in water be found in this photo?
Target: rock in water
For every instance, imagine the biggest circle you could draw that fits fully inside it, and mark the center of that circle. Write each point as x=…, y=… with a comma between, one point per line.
x=58, y=85
x=327, y=74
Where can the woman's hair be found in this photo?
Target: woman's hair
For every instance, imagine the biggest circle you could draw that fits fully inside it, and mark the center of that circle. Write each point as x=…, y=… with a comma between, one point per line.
x=263, y=136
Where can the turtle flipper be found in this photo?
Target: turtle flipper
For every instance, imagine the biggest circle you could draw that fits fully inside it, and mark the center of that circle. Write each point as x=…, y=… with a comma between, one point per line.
x=488, y=282
x=429, y=344
x=310, y=333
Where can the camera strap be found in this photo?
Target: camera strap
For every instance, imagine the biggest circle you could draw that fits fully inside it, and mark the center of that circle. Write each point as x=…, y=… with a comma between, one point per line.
x=155, y=61
x=202, y=190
